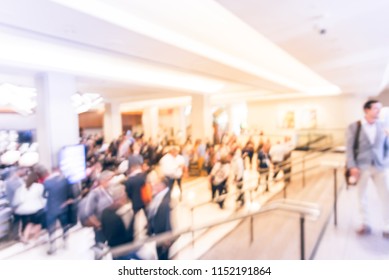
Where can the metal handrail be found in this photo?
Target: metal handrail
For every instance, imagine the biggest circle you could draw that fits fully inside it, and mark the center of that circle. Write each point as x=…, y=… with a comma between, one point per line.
x=238, y=192
x=168, y=236
x=304, y=209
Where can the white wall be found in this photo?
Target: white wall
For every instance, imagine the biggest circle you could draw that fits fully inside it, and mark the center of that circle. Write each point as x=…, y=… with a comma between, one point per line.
x=17, y=122
x=332, y=112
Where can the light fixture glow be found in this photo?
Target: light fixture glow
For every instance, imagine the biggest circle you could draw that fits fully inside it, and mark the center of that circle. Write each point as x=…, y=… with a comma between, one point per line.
x=35, y=54
x=252, y=53
x=83, y=102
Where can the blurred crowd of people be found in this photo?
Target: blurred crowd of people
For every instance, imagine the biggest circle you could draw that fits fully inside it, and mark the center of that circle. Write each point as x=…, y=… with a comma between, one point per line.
x=127, y=178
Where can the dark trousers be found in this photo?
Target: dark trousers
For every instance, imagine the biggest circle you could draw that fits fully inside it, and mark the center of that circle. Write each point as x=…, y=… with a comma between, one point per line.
x=170, y=182
x=264, y=172
x=287, y=173
x=277, y=169
x=239, y=186
x=63, y=220
x=163, y=252
x=14, y=233
x=99, y=236
x=221, y=189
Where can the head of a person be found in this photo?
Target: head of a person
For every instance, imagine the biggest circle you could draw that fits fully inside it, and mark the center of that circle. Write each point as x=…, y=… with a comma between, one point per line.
x=41, y=171
x=118, y=194
x=266, y=147
x=174, y=151
x=226, y=158
x=105, y=178
x=134, y=162
x=32, y=178
x=157, y=181
x=372, y=110
x=135, y=148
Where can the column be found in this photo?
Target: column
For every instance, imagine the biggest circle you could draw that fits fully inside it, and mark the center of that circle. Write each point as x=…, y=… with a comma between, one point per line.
x=57, y=119
x=179, y=124
x=237, y=114
x=201, y=118
x=112, y=122
x=150, y=123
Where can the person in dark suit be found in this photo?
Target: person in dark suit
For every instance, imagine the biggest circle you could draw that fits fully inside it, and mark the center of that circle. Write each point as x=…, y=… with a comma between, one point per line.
x=117, y=221
x=136, y=180
x=134, y=184
x=59, y=194
x=158, y=214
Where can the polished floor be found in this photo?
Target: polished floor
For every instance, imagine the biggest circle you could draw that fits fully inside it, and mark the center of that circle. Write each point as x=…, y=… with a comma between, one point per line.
x=275, y=235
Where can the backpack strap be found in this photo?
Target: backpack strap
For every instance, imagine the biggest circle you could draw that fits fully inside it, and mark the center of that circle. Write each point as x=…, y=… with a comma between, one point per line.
x=356, y=140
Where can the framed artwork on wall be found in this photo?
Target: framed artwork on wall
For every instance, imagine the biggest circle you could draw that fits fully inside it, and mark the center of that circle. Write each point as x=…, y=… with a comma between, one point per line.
x=308, y=119
x=288, y=119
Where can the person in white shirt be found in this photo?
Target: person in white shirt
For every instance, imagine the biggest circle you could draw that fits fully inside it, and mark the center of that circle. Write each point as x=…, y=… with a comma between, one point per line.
x=173, y=167
x=367, y=154
x=219, y=176
x=30, y=206
x=277, y=154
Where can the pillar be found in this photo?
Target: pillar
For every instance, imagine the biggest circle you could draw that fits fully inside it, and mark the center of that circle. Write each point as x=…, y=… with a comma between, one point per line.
x=112, y=122
x=237, y=114
x=57, y=119
x=201, y=118
x=150, y=122
x=179, y=124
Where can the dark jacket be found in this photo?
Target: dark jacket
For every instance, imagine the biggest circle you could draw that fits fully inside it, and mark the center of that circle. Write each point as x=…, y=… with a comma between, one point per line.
x=160, y=222
x=133, y=187
x=57, y=190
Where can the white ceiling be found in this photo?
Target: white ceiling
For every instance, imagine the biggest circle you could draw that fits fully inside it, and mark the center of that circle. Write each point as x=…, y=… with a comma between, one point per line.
x=344, y=43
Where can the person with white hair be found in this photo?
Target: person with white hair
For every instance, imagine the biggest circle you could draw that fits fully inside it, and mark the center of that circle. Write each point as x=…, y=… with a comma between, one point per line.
x=93, y=205
x=158, y=211
x=117, y=221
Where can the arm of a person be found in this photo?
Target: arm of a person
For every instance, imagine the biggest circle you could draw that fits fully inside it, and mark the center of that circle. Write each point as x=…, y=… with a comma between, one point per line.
x=93, y=222
x=350, y=138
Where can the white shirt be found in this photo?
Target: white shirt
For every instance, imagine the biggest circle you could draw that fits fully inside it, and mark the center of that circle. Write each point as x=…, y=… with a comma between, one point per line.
x=220, y=172
x=31, y=200
x=370, y=130
x=237, y=167
x=172, y=166
x=277, y=152
x=155, y=202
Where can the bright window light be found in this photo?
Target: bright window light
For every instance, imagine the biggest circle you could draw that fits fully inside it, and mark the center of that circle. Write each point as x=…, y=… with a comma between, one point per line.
x=19, y=99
